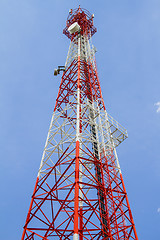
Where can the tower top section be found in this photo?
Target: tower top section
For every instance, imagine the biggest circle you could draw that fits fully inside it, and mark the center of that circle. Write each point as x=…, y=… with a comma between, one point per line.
x=84, y=19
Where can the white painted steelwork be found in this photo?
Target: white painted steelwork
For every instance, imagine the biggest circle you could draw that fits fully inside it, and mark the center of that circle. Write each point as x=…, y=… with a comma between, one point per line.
x=64, y=132
x=79, y=192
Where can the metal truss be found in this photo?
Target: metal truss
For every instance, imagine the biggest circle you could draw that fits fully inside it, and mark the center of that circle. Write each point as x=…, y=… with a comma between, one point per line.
x=79, y=192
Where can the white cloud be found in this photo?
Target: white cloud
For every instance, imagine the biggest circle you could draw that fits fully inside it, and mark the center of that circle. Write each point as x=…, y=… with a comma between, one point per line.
x=158, y=210
x=158, y=106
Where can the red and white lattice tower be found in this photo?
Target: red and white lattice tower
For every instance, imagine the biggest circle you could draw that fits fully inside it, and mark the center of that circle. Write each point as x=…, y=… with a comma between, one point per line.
x=79, y=191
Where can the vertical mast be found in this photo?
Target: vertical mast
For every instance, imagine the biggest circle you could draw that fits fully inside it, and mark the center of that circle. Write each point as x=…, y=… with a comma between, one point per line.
x=80, y=193
x=78, y=140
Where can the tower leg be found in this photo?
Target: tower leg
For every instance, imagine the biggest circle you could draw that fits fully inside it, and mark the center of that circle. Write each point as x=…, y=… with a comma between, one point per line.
x=130, y=213
x=76, y=200
x=28, y=216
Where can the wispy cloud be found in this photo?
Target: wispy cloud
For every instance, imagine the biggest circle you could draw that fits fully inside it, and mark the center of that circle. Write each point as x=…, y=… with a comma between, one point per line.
x=158, y=210
x=158, y=106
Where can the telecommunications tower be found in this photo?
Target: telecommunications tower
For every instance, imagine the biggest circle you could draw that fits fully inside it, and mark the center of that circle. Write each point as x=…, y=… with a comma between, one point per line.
x=79, y=192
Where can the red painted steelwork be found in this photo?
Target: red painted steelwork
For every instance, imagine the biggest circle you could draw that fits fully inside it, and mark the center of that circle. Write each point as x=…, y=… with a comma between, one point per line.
x=76, y=200
x=55, y=211
x=29, y=212
x=85, y=21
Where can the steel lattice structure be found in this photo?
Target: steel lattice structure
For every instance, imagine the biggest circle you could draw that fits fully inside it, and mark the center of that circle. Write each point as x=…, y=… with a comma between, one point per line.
x=79, y=192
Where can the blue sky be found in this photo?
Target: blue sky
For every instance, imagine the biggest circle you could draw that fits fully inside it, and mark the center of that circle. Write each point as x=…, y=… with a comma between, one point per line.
x=128, y=59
